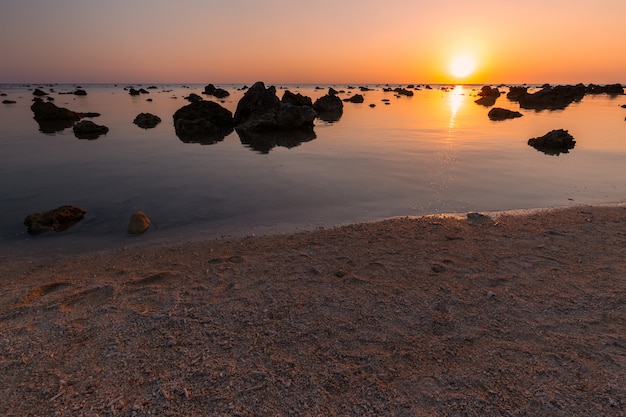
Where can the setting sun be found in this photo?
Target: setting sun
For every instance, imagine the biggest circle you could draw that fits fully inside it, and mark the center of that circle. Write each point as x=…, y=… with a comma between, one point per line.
x=462, y=66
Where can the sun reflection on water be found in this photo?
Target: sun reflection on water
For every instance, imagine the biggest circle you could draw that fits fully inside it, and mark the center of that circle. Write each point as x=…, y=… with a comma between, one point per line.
x=457, y=94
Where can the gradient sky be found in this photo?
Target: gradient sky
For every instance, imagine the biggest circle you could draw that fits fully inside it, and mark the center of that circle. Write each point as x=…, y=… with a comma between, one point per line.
x=321, y=41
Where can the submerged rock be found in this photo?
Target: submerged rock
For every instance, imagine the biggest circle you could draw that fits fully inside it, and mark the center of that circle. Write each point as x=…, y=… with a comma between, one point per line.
x=329, y=107
x=357, y=98
x=86, y=129
x=552, y=98
x=50, y=111
x=147, y=120
x=554, y=142
x=59, y=219
x=498, y=113
x=488, y=96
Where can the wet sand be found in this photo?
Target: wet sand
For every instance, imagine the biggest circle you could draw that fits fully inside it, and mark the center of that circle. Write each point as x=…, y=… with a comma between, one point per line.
x=520, y=315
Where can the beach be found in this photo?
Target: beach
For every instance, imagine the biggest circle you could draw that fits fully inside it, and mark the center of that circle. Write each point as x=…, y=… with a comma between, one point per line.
x=507, y=315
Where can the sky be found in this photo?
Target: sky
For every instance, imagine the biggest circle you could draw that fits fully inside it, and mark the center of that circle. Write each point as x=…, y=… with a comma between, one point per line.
x=311, y=42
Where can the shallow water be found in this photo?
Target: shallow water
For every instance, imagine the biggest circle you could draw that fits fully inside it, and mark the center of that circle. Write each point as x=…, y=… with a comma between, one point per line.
x=434, y=152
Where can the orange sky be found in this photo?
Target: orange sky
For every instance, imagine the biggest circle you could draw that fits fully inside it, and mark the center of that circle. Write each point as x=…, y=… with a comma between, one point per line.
x=326, y=41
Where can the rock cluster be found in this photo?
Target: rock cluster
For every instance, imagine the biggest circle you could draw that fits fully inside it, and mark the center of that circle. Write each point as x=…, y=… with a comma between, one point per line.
x=488, y=96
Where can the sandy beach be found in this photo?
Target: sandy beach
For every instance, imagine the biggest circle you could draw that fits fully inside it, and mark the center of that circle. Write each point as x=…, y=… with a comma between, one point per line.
x=515, y=315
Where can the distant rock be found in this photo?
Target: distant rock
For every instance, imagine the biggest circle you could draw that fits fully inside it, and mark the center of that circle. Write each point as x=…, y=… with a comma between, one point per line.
x=86, y=129
x=80, y=92
x=261, y=110
x=403, y=92
x=296, y=99
x=488, y=96
x=357, y=98
x=554, y=142
x=211, y=90
x=329, y=107
x=498, y=113
x=515, y=92
x=9, y=101
x=203, y=122
x=147, y=120
x=610, y=89
x=59, y=219
x=552, y=98
x=138, y=223
x=134, y=92
x=39, y=93
x=193, y=98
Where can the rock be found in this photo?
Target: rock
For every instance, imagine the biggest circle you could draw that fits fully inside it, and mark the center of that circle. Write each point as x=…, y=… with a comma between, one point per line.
x=372, y=105
x=488, y=96
x=296, y=99
x=516, y=92
x=138, y=223
x=203, y=121
x=329, y=107
x=59, y=219
x=486, y=101
x=610, y=89
x=9, y=101
x=39, y=93
x=552, y=98
x=49, y=111
x=211, y=90
x=357, y=98
x=89, y=114
x=86, y=129
x=80, y=92
x=498, y=113
x=147, y=120
x=261, y=110
x=553, y=142
x=193, y=98
x=404, y=92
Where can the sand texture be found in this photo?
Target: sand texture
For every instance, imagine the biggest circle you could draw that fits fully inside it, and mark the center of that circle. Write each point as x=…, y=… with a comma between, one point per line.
x=433, y=316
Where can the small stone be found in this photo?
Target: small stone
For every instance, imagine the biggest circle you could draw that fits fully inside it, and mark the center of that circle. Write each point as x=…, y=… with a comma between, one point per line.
x=138, y=223
x=58, y=219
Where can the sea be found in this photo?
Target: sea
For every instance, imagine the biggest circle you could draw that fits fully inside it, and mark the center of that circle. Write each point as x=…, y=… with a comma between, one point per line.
x=392, y=155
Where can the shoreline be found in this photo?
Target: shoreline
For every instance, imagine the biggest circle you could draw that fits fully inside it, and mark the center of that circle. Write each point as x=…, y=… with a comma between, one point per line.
x=435, y=315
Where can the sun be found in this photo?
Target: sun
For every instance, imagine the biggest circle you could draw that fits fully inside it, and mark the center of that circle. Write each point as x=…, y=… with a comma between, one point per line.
x=462, y=66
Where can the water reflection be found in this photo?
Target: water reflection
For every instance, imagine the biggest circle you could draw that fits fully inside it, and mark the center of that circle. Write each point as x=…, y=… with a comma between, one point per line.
x=264, y=142
x=457, y=95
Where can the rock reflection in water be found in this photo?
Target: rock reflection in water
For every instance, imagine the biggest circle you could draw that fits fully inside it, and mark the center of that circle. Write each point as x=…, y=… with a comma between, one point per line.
x=263, y=142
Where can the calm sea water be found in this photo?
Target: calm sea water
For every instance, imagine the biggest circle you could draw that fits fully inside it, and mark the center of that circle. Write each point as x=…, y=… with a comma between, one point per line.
x=435, y=152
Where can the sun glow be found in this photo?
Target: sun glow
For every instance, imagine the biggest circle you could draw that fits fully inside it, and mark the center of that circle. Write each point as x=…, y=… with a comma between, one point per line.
x=462, y=66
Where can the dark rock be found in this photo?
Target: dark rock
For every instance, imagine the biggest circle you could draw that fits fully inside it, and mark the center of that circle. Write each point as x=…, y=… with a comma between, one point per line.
x=498, y=113
x=211, y=90
x=49, y=111
x=193, y=98
x=552, y=98
x=59, y=219
x=263, y=142
x=404, y=92
x=329, y=107
x=143, y=91
x=610, y=89
x=261, y=110
x=372, y=105
x=357, y=98
x=203, y=122
x=147, y=120
x=9, y=101
x=516, y=92
x=138, y=223
x=89, y=114
x=39, y=93
x=80, y=92
x=86, y=129
x=553, y=142
x=365, y=89
x=296, y=99
x=488, y=96
x=134, y=92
